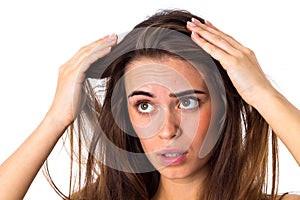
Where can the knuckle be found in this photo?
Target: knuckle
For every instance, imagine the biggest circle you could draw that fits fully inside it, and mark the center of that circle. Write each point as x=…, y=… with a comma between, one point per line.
x=207, y=47
x=217, y=38
x=239, y=54
x=198, y=30
x=244, y=54
x=229, y=36
x=249, y=52
x=62, y=70
x=82, y=51
x=212, y=51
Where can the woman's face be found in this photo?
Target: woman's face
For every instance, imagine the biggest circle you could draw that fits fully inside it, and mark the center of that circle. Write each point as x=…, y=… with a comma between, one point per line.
x=169, y=107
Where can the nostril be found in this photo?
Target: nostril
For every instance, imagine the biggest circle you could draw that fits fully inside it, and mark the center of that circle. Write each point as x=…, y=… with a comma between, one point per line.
x=178, y=133
x=170, y=132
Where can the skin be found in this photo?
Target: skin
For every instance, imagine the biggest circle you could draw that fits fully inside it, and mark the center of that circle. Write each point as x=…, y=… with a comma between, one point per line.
x=239, y=62
x=163, y=120
x=25, y=162
x=251, y=83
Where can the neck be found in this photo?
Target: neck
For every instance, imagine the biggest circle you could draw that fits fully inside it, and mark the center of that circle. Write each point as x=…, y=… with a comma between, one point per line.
x=187, y=188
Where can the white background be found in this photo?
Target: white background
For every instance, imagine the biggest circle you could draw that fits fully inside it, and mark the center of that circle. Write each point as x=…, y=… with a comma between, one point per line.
x=37, y=37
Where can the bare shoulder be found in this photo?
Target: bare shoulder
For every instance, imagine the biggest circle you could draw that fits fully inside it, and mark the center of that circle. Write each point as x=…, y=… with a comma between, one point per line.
x=291, y=197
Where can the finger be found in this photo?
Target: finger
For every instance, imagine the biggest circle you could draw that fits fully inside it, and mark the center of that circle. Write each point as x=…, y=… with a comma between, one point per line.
x=93, y=56
x=81, y=61
x=211, y=49
x=99, y=45
x=215, y=30
x=211, y=32
x=212, y=38
x=103, y=43
x=208, y=23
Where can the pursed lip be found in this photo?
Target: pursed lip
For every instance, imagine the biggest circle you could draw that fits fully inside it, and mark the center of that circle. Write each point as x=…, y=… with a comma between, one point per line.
x=172, y=156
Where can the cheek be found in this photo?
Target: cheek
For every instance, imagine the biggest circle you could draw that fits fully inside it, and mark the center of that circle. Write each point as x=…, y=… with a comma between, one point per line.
x=137, y=119
x=138, y=124
x=196, y=126
x=205, y=117
x=146, y=125
x=204, y=122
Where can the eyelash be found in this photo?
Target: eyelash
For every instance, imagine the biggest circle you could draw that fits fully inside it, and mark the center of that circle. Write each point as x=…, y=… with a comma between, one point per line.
x=137, y=104
x=180, y=100
x=198, y=101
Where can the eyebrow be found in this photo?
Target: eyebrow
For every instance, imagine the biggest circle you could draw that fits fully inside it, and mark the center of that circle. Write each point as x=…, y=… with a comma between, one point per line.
x=179, y=94
x=187, y=92
x=134, y=93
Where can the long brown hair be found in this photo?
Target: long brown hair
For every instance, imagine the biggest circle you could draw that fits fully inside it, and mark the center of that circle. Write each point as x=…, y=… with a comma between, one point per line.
x=239, y=161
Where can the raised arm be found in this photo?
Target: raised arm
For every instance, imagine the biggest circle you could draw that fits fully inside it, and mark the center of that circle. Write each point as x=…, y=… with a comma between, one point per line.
x=20, y=169
x=251, y=83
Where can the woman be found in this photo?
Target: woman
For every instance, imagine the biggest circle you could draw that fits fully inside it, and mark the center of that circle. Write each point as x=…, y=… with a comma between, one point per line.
x=172, y=122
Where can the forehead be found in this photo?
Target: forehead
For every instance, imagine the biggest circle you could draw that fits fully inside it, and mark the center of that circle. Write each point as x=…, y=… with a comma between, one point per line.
x=172, y=73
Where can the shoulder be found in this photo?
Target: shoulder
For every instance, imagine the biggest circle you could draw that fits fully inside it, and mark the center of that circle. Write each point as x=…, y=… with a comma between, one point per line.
x=290, y=197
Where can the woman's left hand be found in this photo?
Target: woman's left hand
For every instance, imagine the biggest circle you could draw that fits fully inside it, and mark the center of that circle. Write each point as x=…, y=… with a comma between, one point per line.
x=239, y=62
x=251, y=83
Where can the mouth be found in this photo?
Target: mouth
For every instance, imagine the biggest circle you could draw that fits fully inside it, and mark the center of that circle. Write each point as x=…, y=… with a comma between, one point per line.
x=172, y=156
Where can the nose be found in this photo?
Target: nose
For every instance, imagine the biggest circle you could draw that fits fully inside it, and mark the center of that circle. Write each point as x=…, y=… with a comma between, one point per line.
x=171, y=126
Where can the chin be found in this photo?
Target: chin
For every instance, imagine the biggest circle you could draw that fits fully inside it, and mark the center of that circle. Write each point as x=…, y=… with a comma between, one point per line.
x=172, y=172
x=186, y=171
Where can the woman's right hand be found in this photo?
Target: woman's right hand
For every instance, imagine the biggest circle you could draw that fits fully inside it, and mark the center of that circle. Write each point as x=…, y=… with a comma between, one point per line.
x=27, y=160
x=66, y=103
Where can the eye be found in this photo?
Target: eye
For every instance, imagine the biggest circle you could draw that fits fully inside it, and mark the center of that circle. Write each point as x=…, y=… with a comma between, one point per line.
x=145, y=107
x=188, y=103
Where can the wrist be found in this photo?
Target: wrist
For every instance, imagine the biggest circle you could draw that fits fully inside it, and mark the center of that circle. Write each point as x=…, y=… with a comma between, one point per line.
x=55, y=122
x=263, y=96
x=268, y=101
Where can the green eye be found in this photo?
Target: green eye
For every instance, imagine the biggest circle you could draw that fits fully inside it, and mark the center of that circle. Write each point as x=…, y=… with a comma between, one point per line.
x=145, y=107
x=188, y=103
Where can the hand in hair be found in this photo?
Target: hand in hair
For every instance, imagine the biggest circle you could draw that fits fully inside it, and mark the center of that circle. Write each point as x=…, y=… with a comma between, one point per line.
x=239, y=61
x=71, y=76
x=19, y=170
x=251, y=83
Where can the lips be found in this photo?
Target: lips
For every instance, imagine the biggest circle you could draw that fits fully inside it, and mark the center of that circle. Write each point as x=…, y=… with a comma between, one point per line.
x=171, y=156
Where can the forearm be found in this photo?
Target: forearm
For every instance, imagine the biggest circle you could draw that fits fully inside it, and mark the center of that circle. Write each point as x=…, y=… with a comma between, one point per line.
x=284, y=119
x=19, y=170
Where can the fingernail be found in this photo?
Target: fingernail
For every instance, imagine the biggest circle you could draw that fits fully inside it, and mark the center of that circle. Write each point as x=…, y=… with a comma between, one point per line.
x=112, y=37
x=208, y=22
x=107, y=49
x=191, y=24
x=195, y=35
x=196, y=21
